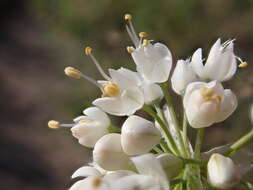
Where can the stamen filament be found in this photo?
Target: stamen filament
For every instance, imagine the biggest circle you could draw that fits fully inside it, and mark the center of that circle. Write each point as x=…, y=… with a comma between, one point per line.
x=91, y=80
x=99, y=67
x=134, y=39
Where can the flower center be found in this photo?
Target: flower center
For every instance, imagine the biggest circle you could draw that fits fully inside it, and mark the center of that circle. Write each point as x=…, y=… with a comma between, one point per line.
x=208, y=94
x=111, y=90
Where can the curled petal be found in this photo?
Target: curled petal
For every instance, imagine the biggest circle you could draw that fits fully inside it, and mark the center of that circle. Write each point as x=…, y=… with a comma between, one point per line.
x=97, y=114
x=86, y=171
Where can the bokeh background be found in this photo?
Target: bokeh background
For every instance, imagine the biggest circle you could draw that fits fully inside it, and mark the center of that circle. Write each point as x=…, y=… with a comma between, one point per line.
x=38, y=38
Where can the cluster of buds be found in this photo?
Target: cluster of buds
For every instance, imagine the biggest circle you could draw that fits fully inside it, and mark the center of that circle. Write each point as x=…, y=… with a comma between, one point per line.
x=157, y=155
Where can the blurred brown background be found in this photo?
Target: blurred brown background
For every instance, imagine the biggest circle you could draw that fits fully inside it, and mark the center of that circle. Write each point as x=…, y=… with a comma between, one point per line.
x=38, y=38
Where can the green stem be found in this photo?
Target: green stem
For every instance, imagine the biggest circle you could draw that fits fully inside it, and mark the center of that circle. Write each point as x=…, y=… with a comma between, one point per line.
x=174, y=119
x=158, y=150
x=185, y=138
x=165, y=146
x=240, y=143
x=198, y=144
x=164, y=127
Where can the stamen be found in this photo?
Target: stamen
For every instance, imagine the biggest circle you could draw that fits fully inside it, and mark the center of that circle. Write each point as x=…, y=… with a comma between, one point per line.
x=84, y=121
x=143, y=35
x=130, y=30
x=72, y=72
x=128, y=17
x=52, y=124
x=130, y=49
x=111, y=90
x=96, y=182
x=208, y=94
x=75, y=73
x=88, y=51
x=133, y=36
x=243, y=64
x=145, y=43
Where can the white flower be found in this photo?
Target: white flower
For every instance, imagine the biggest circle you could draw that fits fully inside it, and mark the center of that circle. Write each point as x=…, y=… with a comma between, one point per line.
x=90, y=127
x=121, y=95
x=221, y=63
x=183, y=75
x=222, y=172
x=208, y=103
x=171, y=164
x=139, y=135
x=86, y=171
x=153, y=62
x=109, y=155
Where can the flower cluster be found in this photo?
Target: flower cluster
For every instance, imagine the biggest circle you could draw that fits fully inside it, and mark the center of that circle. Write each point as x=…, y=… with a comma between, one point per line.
x=157, y=154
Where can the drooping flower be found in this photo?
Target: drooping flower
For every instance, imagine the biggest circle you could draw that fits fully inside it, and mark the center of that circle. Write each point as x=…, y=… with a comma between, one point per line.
x=138, y=135
x=221, y=63
x=109, y=155
x=183, y=75
x=208, y=103
x=222, y=172
x=153, y=61
x=88, y=129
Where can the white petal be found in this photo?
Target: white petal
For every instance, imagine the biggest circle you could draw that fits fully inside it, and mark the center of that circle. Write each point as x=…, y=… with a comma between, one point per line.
x=138, y=135
x=182, y=76
x=86, y=171
x=133, y=182
x=131, y=75
x=111, y=177
x=231, y=71
x=89, y=133
x=90, y=183
x=190, y=88
x=197, y=64
x=109, y=155
x=124, y=78
x=147, y=164
x=153, y=62
x=97, y=114
x=228, y=105
x=151, y=93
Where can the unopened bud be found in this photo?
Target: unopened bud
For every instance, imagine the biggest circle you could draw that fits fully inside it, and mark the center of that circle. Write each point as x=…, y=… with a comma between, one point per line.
x=222, y=172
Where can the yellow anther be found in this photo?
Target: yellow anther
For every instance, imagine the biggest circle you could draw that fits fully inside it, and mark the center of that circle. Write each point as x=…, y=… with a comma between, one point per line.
x=53, y=124
x=145, y=43
x=208, y=94
x=128, y=17
x=84, y=121
x=96, y=182
x=88, y=50
x=143, y=35
x=72, y=72
x=130, y=49
x=111, y=90
x=243, y=64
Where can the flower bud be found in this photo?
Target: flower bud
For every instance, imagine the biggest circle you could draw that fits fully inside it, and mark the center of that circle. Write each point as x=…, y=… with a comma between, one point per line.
x=171, y=164
x=109, y=155
x=138, y=135
x=222, y=172
x=182, y=76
